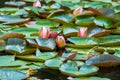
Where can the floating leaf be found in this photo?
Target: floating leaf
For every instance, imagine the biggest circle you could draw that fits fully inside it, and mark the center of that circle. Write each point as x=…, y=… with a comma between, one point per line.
x=43, y=44
x=86, y=70
x=90, y=78
x=12, y=35
x=54, y=63
x=83, y=42
x=104, y=22
x=70, y=68
x=69, y=30
x=9, y=74
x=47, y=23
x=84, y=20
x=104, y=60
x=15, y=4
x=8, y=19
x=64, y=18
x=45, y=55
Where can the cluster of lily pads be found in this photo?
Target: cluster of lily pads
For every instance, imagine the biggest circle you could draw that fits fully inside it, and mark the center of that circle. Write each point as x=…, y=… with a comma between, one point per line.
x=75, y=37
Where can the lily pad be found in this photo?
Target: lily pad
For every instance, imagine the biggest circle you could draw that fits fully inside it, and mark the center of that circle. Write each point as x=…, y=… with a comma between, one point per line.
x=104, y=60
x=47, y=23
x=10, y=74
x=11, y=35
x=69, y=30
x=45, y=55
x=104, y=22
x=15, y=3
x=25, y=31
x=64, y=18
x=43, y=44
x=54, y=63
x=84, y=20
x=86, y=70
x=83, y=42
x=91, y=78
x=70, y=68
x=9, y=19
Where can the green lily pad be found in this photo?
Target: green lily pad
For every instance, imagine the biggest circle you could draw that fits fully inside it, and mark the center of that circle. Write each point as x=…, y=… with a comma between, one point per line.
x=47, y=23
x=98, y=32
x=104, y=22
x=9, y=74
x=91, y=78
x=117, y=8
x=45, y=55
x=69, y=30
x=8, y=19
x=7, y=58
x=26, y=31
x=104, y=60
x=84, y=20
x=94, y=4
x=15, y=4
x=43, y=44
x=86, y=70
x=81, y=51
x=53, y=63
x=117, y=53
x=7, y=10
x=64, y=18
x=29, y=58
x=83, y=42
x=109, y=40
x=70, y=68
x=13, y=64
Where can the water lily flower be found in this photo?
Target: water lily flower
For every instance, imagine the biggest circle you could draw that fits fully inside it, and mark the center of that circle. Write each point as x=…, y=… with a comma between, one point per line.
x=82, y=32
x=70, y=78
x=53, y=34
x=77, y=11
x=44, y=32
x=37, y=4
x=60, y=40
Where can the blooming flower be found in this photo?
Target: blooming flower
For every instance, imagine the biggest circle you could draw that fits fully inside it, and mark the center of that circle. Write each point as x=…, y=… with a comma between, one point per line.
x=44, y=32
x=70, y=78
x=77, y=11
x=60, y=40
x=82, y=32
x=37, y=4
x=53, y=34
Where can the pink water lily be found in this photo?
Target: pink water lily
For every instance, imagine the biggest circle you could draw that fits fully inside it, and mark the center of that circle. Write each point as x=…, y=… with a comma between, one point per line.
x=53, y=34
x=82, y=32
x=44, y=32
x=78, y=11
x=60, y=40
x=37, y=4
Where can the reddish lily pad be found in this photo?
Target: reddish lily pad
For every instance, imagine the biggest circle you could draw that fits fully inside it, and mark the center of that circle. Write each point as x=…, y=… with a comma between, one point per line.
x=104, y=60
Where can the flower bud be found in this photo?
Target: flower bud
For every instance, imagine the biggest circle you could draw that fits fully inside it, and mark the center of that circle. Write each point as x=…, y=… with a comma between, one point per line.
x=78, y=11
x=53, y=34
x=82, y=32
x=37, y=4
x=44, y=32
x=60, y=40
